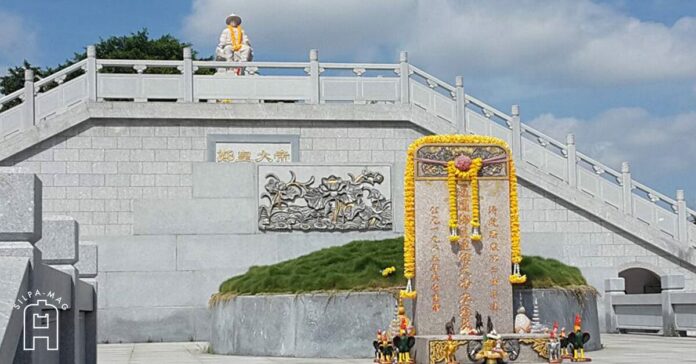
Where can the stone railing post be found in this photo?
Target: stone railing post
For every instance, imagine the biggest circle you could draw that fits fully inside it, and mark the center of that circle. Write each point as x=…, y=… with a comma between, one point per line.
x=627, y=188
x=572, y=159
x=91, y=70
x=187, y=73
x=404, y=77
x=612, y=287
x=460, y=99
x=670, y=283
x=516, y=127
x=314, y=71
x=29, y=117
x=682, y=220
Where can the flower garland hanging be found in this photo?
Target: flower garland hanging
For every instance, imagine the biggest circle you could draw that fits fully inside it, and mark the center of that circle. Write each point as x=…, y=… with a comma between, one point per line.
x=410, y=202
x=467, y=170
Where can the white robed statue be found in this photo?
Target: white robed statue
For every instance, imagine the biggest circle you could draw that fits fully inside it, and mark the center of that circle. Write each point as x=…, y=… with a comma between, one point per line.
x=234, y=45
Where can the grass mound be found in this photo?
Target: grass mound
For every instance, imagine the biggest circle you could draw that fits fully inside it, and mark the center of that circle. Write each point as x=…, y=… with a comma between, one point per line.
x=547, y=273
x=354, y=266
x=357, y=266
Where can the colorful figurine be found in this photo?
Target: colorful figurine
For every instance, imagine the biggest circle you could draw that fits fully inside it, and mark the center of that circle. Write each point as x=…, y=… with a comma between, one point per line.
x=383, y=348
x=403, y=344
x=479, y=324
x=451, y=350
x=554, y=345
x=564, y=345
x=577, y=339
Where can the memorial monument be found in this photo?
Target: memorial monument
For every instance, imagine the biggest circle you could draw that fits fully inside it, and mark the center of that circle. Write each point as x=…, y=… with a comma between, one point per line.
x=462, y=246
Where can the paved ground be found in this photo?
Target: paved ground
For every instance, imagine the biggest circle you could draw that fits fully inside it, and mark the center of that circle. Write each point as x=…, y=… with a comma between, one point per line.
x=619, y=349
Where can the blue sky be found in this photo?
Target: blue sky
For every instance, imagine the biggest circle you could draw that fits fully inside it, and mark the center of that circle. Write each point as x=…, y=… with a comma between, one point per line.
x=620, y=74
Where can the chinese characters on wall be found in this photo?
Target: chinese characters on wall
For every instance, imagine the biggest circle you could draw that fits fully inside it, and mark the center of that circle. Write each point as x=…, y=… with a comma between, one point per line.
x=464, y=257
x=435, y=260
x=253, y=152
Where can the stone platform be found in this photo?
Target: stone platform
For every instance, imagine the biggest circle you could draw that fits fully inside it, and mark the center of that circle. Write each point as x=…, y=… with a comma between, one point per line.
x=430, y=349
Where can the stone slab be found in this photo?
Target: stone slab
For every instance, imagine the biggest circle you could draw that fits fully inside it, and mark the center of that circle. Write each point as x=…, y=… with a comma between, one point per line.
x=59, y=243
x=449, y=274
x=85, y=296
x=20, y=212
x=224, y=180
x=136, y=253
x=88, y=260
x=614, y=285
x=300, y=325
x=150, y=289
x=197, y=216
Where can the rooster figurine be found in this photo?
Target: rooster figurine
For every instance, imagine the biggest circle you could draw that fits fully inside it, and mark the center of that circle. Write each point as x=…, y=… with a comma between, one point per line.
x=577, y=339
x=403, y=344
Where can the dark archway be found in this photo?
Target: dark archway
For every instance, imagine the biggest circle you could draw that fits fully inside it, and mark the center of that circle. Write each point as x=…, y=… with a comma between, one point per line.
x=639, y=281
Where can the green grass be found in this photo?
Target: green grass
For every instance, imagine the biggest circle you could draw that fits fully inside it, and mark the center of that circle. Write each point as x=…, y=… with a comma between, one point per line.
x=357, y=266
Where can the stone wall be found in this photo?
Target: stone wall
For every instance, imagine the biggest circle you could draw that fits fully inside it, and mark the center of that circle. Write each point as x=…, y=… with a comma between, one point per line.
x=164, y=218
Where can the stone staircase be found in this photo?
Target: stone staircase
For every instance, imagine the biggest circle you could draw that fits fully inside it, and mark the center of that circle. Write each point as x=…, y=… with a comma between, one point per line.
x=316, y=90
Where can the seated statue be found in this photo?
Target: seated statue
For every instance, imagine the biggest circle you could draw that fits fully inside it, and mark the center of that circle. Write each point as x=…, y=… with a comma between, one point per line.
x=234, y=45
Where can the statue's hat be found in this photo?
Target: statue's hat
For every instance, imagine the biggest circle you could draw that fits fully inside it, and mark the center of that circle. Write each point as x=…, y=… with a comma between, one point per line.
x=233, y=16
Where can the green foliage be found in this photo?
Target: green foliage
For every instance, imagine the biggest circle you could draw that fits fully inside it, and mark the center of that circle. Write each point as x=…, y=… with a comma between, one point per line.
x=137, y=45
x=546, y=273
x=354, y=266
x=357, y=266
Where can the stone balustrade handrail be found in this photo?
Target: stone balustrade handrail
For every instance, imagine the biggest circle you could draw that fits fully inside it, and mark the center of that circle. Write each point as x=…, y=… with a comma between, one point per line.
x=409, y=86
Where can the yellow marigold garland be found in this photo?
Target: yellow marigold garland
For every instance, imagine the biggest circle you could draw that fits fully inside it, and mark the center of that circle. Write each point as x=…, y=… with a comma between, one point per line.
x=470, y=175
x=410, y=202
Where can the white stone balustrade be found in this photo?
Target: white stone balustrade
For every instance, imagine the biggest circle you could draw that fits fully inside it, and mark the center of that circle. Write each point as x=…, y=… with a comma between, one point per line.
x=315, y=82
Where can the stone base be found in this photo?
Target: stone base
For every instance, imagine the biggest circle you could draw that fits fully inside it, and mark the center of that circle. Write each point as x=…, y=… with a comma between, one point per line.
x=430, y=349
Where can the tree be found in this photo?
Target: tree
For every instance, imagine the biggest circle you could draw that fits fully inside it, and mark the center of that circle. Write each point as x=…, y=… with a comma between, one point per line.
x=137, y=45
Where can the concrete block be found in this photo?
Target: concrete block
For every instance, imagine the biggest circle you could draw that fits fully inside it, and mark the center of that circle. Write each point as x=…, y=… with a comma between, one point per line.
x=60, y=240
x=15, y=273
x=614, y=285
x=197, y=216
x=20, y=210
x=672, y=282
x=136, y=253
x=88, y=260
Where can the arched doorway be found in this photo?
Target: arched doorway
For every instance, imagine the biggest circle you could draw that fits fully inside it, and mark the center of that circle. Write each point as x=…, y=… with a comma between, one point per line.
x=640, y=280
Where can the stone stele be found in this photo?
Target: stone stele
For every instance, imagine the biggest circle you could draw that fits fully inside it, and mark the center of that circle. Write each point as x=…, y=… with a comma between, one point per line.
x=461, y=278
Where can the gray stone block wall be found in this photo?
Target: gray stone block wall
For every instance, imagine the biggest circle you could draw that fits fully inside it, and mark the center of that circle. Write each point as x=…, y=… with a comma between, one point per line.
x=161, y=215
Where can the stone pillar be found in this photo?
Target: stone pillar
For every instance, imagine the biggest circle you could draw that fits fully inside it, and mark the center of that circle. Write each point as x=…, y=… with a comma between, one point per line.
x=460, y=99
x=29, y=110
x=187, y=73
x=314, y=71
x=612, y=287
x=87, y=267
x=91, y=73
x=627, y=188
x=670, y=283
x=59, y=249
x=516, y=140
x=572, y=160
x=20, y=228
x=682, y=222
x=404, y=76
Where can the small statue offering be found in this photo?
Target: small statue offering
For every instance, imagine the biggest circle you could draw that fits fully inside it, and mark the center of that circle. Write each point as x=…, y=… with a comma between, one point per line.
x=523, y=325
x=234, y=45
x=403, y=344
x=384, y=350
x=577, y=340
x=554, y=345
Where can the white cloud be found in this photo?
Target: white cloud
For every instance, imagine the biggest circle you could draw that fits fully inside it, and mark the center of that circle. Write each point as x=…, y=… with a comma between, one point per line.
x=17, y=40
x=655, y=146
x=565, y=41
